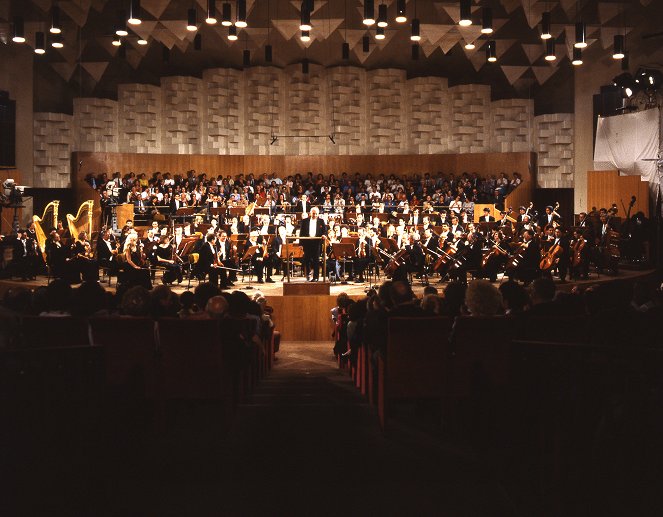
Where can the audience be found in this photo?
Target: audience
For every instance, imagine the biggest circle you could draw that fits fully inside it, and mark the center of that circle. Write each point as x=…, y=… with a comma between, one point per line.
x=482, y=298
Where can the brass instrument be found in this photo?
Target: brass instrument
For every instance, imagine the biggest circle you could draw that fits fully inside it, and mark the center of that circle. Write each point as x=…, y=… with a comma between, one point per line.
x=82, y=222
x=50, y=220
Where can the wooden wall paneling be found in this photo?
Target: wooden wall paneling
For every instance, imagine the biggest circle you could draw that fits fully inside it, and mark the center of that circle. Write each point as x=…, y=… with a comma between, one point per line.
x=607, y=187
x=303, y=318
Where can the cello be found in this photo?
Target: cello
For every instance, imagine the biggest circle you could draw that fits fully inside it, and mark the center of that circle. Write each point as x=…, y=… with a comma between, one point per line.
x=551, y=257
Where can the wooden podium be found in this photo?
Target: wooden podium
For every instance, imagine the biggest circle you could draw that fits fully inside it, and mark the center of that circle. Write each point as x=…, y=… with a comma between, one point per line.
x=306, y=288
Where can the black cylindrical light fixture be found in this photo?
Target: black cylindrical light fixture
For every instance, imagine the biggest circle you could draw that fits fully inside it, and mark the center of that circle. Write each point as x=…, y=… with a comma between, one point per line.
x=382, y=16
x=241, y=14
x=232, y=33
x=487, y=21
x=345, y=51
x=18, y=34
x=577, y=56
x=246, y=57
x=198, y=42
x=304, y=66
x=56, y=27
x=40, y=43
x=491, y=51
x=618, y=47
x=379, y=33
x=211, y=12
x=546, y=25
x=192, y=20
x=134, y=12
x=369, y=13
x=226, y=14
x=550, y=50
x=366, y=44
x=268, y=53
x=401, y=16
x=465, y=13
x=305, y=36
x=415, y=52
x=305, y=20
x=415, y=34
x=57, y=41
x=581, y=35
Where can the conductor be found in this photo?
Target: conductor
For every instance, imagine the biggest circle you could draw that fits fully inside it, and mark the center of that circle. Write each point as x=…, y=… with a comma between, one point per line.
x=312, y=226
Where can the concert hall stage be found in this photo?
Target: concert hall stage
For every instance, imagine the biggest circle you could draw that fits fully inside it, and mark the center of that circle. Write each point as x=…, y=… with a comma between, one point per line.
x=306, y=317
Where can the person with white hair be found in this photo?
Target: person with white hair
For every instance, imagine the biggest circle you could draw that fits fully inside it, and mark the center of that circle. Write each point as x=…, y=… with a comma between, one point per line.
x=312, y=226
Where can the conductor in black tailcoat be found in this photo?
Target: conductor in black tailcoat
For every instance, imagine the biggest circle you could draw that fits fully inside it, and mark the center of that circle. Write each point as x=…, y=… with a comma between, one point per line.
x=312, y=226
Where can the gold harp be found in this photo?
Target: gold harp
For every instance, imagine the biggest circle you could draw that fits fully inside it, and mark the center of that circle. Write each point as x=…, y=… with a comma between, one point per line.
x=44, y=223
x=83, y=220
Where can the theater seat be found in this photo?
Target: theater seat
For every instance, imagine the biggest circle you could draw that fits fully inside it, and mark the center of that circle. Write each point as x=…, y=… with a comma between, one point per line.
x=52, y=331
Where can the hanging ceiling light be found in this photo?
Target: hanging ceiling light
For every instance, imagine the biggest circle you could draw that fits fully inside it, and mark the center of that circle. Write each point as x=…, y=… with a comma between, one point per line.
x=618, y=47
x=192, y=20
x=491, y=51
x=415, y=52
x=226, y=14
x=577, y=56
x=305, y=22
x=40, y=43
x=241, y=14
x=117, y=41
x=465, y=13
x=369, y=13
x=382, y=16
x=18, y=35
x=211, y=12
x=134, y=13
x=415, y=35
x=487, y=21
x=121, y=27
x=401, y=17
x=581, y=35
x=550, y=50
x=57, y=41
x=305, y=36
x=470, y=45
x=379, y=33
x=232, y=33
x=142, y=41
x=268, y=53
x=546, y=26
x=56, y=27
x=345, y=51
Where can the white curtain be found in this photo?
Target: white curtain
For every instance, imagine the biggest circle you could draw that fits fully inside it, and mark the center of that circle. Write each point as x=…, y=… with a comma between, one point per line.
x=629, y=143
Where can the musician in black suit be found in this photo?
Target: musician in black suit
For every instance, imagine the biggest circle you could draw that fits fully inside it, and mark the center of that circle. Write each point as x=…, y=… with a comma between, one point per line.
x=312, y=226
x=207, y=260
x=486, y=217
x=225, y=253
x=527, y=268
x=56, y=255
x=549, y=217
x=107, y=251
x=303, y=205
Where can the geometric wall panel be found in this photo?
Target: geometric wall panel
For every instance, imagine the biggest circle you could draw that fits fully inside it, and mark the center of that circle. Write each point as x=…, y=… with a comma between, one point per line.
x=53, y=139
x=554, y=145
x=139, y=110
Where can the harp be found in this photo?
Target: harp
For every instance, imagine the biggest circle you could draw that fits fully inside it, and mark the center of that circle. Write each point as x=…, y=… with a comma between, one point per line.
x=83, y=220
x=43, y=224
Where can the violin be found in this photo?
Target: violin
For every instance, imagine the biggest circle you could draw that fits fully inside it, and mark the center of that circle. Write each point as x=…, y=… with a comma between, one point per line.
x=495, y=251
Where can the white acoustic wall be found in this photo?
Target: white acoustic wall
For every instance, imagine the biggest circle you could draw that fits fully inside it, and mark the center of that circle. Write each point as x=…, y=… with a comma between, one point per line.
x=232, y=111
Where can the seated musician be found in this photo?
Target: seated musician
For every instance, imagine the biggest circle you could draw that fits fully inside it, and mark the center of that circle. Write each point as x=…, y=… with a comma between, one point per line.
x=455, y=225
x=167, y=258
x=208, y=260
x=136, y=271
x=416, y=253
x=486, y=217
x=107, y=251
x=257, y=259
x=529, y=257
x=580, y=251
x=276, y=252
x=362, y=255
x=83, y=258
x=56, y=255
x=227, y=252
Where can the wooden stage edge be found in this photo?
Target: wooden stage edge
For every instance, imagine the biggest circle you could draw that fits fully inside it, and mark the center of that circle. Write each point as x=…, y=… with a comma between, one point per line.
x=306, y=317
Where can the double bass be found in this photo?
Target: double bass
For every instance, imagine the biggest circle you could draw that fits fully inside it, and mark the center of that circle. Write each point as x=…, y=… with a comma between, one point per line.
x=577, y=247
x=551, y=257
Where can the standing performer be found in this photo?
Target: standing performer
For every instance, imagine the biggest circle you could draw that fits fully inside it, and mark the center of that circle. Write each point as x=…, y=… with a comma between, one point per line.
x=313, y=226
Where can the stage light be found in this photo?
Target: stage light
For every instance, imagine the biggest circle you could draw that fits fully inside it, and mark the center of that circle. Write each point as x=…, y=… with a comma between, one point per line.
x=618, y=47
x=57, y=41
x=369, y=13
x=192, y=20
x=581, y=35
x=18, y=35
x=241, y=14
x=226, y=14
x=305, y=21
x=40, y=41
x=470, y=46
x=382, y=16
x=134, y=13
x=117, y=41
x=491, y=51
x=305, y=36
x=379, y=33
x=268, y=53
x=627, y=84
x=577, y=57
x=232, y=33
x=211, y=12
x=550, y=50
x=415, y=35
x=401, y=17
x=546, y=26
x=465, y=13
x=56, y=27
x=487, y=21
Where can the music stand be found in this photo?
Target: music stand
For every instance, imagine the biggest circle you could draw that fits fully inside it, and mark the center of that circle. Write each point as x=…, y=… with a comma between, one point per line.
x=343, y=251
x=248, y=254
x=390, y=244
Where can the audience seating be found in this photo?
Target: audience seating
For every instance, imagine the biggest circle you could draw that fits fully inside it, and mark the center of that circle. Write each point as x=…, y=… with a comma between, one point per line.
x=48, y=331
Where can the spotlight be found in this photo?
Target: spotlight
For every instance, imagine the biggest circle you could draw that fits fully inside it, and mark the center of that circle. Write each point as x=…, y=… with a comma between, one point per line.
x=550, y=50
x=40, y=41
x=618, y=47
x=648, y=78
x=56, y=28
x=305, y=36
x=627, y=84
x=134, y=13
x=415, y=36
x=491, y=51
x=305, y=22
x=487, y=21
x=211, y=12
x=19, y=30
x=57, y=41
x=465, y=13
x=226, y=14
x=382, y=16
x=232, y=33
x=241, y=14
x=369, y=13
x=581, y=35
x=577, y=56
x=379, y=33
x=191, y=20
x=546, y=26
x=400, y=12
x=470, y=46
